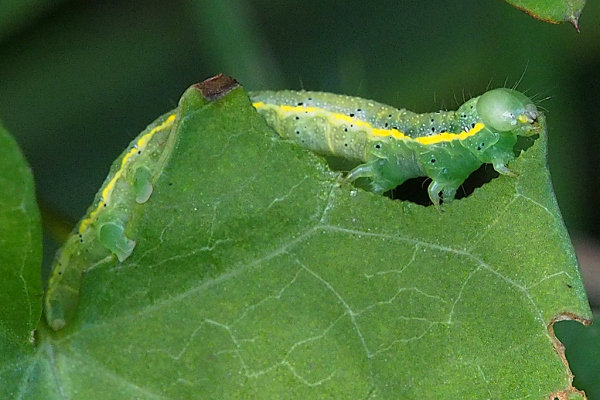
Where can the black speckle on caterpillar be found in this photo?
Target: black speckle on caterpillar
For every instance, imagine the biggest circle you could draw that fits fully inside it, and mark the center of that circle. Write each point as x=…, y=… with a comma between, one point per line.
x=394, y=145
x=100, y=235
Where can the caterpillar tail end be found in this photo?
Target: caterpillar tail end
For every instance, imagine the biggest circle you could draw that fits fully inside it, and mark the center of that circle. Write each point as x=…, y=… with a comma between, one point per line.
x=60, y=306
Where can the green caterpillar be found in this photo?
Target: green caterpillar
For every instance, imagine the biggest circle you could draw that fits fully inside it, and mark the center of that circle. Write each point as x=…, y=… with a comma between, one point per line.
x=101, y=233
x=395, y=145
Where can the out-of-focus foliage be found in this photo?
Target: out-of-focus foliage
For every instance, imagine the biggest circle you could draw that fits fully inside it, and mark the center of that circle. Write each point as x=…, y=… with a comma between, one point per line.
x=17, y=15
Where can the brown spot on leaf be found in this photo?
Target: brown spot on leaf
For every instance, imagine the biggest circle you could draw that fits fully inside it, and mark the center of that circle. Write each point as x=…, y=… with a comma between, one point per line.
x=217, y=86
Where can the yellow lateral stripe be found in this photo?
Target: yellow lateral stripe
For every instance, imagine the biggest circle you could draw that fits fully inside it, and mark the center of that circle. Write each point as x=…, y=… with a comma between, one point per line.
x=375, y=132
x=106, y=193
x=447, y=137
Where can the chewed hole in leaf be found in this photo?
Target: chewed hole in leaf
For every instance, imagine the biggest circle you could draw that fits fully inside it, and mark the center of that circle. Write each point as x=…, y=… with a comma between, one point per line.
x=415, y=190
x=524, y=143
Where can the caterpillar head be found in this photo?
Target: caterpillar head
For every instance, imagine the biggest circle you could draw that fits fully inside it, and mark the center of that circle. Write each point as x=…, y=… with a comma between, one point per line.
x=504, y=110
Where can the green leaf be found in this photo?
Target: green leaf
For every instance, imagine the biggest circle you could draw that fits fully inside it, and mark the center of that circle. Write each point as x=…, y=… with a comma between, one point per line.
x=256, y=275
x=20, y=263
x=553, y=11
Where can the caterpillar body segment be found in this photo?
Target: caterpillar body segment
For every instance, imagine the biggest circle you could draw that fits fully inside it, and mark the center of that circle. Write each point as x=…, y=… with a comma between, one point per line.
x=394, y=145
x=101, y=234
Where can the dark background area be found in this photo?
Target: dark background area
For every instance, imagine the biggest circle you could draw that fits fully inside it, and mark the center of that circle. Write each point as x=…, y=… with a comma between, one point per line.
x=80, y=79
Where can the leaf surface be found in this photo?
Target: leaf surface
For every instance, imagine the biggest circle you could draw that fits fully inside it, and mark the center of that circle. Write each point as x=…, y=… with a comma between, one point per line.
x=256, y=275
x=20, y=264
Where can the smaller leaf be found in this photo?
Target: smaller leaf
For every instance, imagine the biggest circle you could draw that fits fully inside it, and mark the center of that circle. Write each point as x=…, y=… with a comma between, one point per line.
x=553, y=11
x=20, y=261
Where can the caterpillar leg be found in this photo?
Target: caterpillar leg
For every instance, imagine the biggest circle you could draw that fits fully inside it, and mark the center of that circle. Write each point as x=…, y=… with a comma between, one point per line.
x=448, y=190
x=502, y=169
x=448, y=193
x=112, y=236
x=373, y=170
x=434, y=190
x=362, y=171
x=142, y=184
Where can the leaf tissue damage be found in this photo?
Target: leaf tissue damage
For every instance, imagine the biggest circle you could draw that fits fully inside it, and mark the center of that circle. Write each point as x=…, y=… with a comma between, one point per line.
x=257, y=275
x=560, y=350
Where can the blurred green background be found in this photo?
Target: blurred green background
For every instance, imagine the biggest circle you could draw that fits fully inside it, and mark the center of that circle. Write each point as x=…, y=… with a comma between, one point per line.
x=80, y=79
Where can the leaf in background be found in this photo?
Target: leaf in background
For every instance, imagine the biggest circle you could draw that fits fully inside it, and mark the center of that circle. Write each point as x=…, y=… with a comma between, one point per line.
x=256, y=276
x=553, y=11
x=20, y=263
